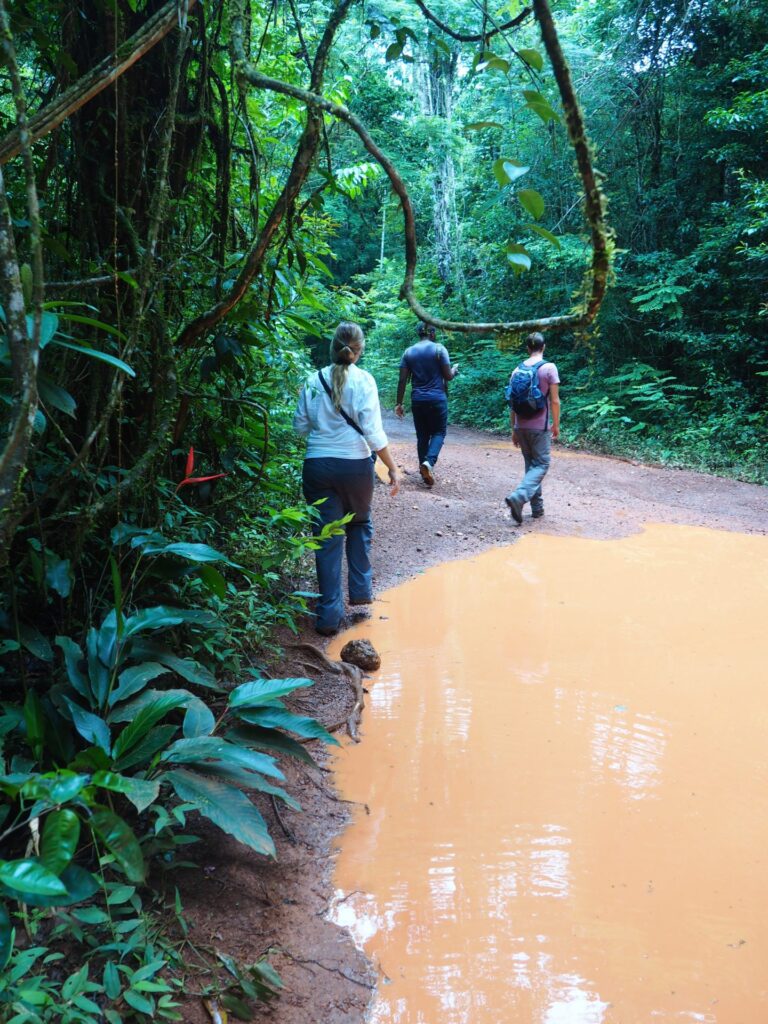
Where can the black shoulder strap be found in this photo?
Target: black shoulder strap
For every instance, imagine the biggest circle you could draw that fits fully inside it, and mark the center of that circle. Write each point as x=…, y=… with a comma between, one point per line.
x=340, y=411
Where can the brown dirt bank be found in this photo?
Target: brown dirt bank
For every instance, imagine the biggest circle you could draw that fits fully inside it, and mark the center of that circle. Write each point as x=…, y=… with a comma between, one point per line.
x=243, y=906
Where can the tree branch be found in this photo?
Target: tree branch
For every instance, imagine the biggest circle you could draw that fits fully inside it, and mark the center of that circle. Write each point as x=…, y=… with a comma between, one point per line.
x=466, y=37
x=96, y=80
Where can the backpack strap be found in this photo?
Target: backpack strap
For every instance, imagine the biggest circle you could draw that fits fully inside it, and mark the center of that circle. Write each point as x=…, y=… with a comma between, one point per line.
x=340, y=411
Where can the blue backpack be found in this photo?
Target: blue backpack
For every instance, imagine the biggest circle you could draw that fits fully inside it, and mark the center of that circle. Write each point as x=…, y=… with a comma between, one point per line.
x=523, y=392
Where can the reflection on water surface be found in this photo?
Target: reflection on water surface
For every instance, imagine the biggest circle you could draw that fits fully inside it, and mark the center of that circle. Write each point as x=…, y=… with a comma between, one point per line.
x=565, y=766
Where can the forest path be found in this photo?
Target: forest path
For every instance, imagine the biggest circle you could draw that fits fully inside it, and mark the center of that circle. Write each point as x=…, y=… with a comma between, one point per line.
x=282, y=906
x=585, y=496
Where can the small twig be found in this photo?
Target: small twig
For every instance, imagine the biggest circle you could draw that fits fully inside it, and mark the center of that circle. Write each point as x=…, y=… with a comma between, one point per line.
x=290, y=836
x=332, y=970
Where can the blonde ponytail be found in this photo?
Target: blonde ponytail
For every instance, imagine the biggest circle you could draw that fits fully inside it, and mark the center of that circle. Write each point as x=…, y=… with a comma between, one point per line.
x=347, y=342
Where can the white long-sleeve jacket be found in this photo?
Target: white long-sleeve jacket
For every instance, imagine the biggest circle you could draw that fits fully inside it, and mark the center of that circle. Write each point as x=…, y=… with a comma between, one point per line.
x=328, y=433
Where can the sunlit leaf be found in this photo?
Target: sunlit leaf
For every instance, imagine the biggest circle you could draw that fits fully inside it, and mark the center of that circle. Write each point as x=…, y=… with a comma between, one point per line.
x=532, y=58
x=30, y=876
x=507, y=170
x=532, y=202
x=477, y=126
x=120, y=841
x=61, y=832
x=544, y=233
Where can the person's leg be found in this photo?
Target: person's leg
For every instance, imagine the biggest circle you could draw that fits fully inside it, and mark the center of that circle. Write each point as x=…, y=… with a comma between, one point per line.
x=317, y=483
x=438, y=427
x=356, y=482
x=535, y=447
x=421, y=423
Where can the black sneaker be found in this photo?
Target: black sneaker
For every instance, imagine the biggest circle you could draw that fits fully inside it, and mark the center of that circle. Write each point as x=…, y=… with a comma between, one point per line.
x=537, y=514
x=515, y=508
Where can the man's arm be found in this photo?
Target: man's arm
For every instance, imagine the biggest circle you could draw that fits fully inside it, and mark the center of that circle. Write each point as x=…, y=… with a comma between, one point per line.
x=448, y=371
x=554, y=409
x=405, y=374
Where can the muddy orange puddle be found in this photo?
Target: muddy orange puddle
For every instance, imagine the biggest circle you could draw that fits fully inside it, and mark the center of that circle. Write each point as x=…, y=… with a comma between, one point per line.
x=565, y=764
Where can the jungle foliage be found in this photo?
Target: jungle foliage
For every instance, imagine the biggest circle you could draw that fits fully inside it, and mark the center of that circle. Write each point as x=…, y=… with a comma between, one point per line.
x=177, y=244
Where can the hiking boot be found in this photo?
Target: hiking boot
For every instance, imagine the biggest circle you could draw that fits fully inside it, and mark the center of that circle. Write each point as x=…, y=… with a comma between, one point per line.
x=515, y=508
x=537, y=513
x=426, y=473
x=361, y=600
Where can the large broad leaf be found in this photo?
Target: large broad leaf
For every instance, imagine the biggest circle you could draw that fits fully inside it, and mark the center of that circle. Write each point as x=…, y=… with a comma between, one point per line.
x=225, y=806
x=519, y=257
x=507, y=170
x=91, y=322
x=277, y=718
x=79, y=884
x=269, y=739
x=55, y=396
x=544, y=233
x=90, y=727
x=98, y=672
x=198, y=721
x=74, y=660
x=7, y=935
x=49, y=325
x=155, y=741
x=120, y=841
x=95, y=353
x=201, y=748
x=146, y=718
x=532, y=58
x=264, y=691
x=161, y=617
x=58, y=845
x=55, y=788
x=540, y=105
x=477, y=126
x=249, y=780
x=132, y=680
x=531, y=201
x=30, y=876
x=33, y=640
x=141, y=792
x=192, y=552
x=188, y=669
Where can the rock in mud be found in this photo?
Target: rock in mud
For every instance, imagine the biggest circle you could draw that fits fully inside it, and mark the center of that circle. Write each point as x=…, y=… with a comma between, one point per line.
x=361, y=653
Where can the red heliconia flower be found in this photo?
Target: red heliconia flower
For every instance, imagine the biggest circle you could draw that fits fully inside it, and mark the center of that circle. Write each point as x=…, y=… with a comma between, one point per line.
x=195, y=479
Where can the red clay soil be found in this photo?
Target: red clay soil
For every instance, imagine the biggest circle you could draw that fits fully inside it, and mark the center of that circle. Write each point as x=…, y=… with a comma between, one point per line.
x=245, y=906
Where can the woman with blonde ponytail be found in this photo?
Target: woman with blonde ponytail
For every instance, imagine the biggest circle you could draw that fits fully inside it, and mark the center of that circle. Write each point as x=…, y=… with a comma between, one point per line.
x=339, y=412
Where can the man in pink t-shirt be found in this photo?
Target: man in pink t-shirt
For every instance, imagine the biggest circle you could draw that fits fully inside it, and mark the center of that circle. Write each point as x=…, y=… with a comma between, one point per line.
x=533, y=434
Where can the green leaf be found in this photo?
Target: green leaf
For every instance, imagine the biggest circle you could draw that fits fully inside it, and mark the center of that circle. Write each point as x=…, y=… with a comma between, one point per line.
x=532, y=58
x=518, y=256
x=200, y=748
x=477, y=126
x=73, y=659
x=507, y=170
x=188, y=669
x=120, y=841
x=264, y=691
x=269, y=739
x=58, y=573
x=544, y=233
x=141, y=792
x=225, y=806
x=140, y=1003
x=27, y=283
x=132, y=680
x=80, y=885
x=90, y=915
x=104, y=357
x=192, y=552
x=493, y=63
x=30, y=876
x=55, y=396
x=213, y=580
x=277, y=718
x=90, y=726
x=49, y=325
x=393, y=52
x=532, y=202
x=540, y=105
x=90, y=322
x=161, y=617
x=33, y=640
x=111, y=980
x=149, y=716
x=7, y=937
x=198, y=721
x=58, y=845
x=156, y=740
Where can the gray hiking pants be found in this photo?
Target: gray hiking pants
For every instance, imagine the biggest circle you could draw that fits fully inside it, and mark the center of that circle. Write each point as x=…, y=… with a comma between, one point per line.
x=535, y=446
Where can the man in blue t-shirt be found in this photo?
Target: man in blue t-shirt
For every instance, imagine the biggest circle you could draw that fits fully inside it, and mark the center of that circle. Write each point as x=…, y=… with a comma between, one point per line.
x=428, y=366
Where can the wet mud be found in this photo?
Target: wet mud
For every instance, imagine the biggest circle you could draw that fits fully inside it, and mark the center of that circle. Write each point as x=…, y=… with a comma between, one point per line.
x=563, y=785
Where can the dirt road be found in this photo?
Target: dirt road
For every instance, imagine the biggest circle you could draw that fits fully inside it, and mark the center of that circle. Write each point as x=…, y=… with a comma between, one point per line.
x=281, y=907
